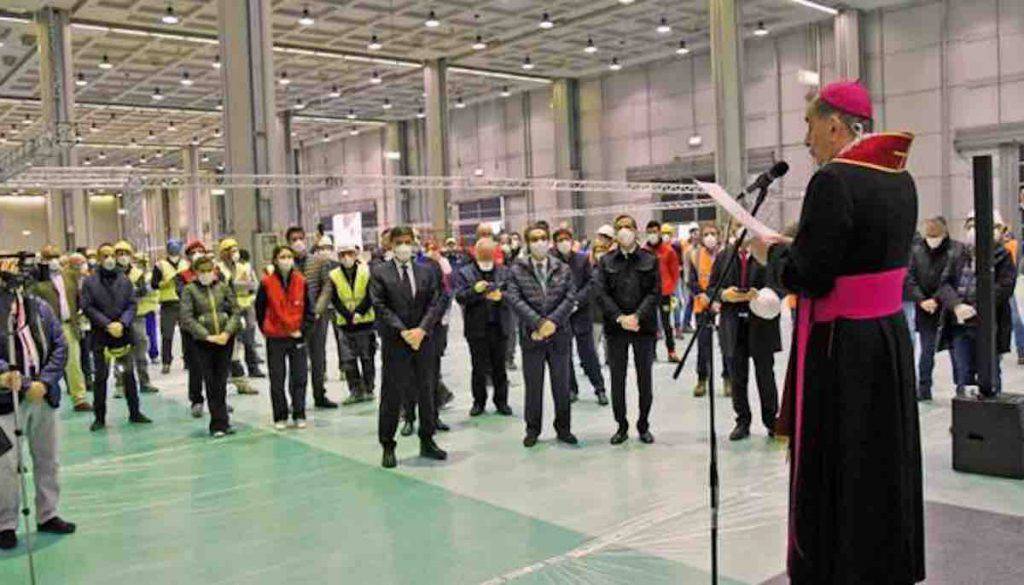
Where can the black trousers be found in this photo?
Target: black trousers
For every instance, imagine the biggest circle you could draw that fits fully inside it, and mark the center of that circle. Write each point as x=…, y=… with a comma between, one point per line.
x=665, y=316
x=586, y=349
x=168, y=321
x=643, y=360
x=124, y=367
x=440, y=336
x=189, y=349
x=555, y=355
x=85, y=356
x=764, y=371
x=705, y=345
x=212, y=363
x=406, y=372
x=487, y=357
x=357, y=349
x=316, y=337
x=287, y=360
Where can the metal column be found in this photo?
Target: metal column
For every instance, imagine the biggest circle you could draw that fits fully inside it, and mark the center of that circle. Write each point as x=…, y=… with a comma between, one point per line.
x=727, y=75
x=435, y=84
x=565, y=100
x=846, y=28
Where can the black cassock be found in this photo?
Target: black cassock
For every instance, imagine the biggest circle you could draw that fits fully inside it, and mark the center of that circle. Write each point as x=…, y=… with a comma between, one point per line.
x=856, y=508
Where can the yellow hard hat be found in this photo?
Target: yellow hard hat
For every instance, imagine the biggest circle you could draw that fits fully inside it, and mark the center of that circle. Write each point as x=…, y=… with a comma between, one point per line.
x=667, y=228
x=123, y=246
x=228, y=243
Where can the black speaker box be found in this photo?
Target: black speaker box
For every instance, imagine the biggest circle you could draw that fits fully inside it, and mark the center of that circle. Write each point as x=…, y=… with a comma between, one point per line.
x=988, y=435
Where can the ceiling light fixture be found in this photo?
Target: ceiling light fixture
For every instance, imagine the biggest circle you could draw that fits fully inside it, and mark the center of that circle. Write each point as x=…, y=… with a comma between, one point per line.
x=306, y=19
x=327, y=137
x=93, y=127
x=375, y=44
x=545, y=22
x=284, y=78
x=615, y=65
x=591, y=48
x=185, y=79
x=170, y=126
x=205, y=158
x=102, y=155
x=387, y=104
x=354, y=131
x=505, y=92
x=80, y=80
x=479, y=45
x=695, y=140
x=335, y=92
x=527, y=64
x=626, y=2
x=169, y=16
x=151, y=136
x=216, y=62
x=421, y=114
x=663, y=26
x=351, y=115
x=816, y=6
x=459, y=103
x=432, y=21
x=760, y=31
x=683, y=49
x=105, y=62
x=299, y=105
x=220, y=105
x=157, y=96
x=375, y=78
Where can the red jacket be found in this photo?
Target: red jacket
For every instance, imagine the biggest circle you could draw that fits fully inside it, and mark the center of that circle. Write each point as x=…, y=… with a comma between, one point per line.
x=284, y=309
x=668, y=266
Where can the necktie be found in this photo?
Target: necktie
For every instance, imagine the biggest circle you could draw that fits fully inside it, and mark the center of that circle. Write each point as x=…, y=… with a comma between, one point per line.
x=407, y=280
x=542, y=276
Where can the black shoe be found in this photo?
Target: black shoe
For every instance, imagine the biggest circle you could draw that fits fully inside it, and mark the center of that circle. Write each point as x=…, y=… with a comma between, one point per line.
x=573, y=397
x=503, y=410
x=256, y=372
x=477, y=410
x=408, y=428
x=389, y=461
x=646, y=437
x=529, y=440
x=97, y=425
x=511, y=366
x=739, y=433
x=352, y=399
x=441, y=426
x=8, y=539
x=326, y=404
x=602, y=398
x=139, y=419
x=568, y=438
x=619, y=437
x=56, y=526
x=430, y=450
x=771, y=433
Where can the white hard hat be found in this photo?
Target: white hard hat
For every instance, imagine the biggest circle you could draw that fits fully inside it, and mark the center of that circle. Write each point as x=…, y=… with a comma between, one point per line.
x=325, y=241
x=606, y=231
x=767, y=305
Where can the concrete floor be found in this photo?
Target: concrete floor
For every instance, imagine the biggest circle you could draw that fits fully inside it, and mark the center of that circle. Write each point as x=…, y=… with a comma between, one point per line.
x=165, y=504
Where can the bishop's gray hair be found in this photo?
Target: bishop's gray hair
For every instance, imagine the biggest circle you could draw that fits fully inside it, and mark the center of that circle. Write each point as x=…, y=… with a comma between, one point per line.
x=855, y=124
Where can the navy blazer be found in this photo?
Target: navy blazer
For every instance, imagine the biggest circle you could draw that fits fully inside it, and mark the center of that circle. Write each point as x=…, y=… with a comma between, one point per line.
x=532, y=304
x=476, y=308
x=108, y=296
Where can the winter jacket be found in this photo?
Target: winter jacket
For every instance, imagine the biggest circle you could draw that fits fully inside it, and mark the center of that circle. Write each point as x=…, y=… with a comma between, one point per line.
x=924, y=277
x=477, y=310
x=210, y=310
x=959, y=285
x=628, y=284
x=534, y=303
x=108, y=296
x=49, y=340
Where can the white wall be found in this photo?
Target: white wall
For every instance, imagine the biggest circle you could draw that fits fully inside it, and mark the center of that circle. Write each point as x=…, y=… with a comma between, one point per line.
x=28, y=213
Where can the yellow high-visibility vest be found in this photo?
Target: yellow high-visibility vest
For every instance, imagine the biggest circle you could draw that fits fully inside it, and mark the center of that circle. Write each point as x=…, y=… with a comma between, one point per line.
x=151, y=301
x=349, y=298
x=241, y=273
x=168, y=291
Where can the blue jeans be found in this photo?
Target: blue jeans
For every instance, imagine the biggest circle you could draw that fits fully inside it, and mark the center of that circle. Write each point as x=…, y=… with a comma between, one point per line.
x=928, y=337
x=965, y=370
x=682, y=300
x=909, y=310
x=688, y=313
x=1018, y=327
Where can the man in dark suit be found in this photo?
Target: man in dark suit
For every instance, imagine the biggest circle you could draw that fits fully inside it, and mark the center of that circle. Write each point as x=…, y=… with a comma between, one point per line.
x=408, y=301
x=541, y=292
x=479, y=287
x=629, y=288
x=746, y=336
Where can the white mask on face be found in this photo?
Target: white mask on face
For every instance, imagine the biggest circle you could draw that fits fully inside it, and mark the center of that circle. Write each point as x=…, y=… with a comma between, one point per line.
x=109, y=263
x=564, y=247
x=540, y=248
x=323, y=253
x=506, y=248
x=348, y=261
x=285, y=265
x=54, y=265
x=236, y=256
x=403, y=252
x=666, y=238
x=206, y=278
x=299, y=246
x=969, y=236
x=710, y=241
x=653, y=239
x=934, y=242
x=124, y=261
x=174, y=258
x=626, y=237
x=486, y=266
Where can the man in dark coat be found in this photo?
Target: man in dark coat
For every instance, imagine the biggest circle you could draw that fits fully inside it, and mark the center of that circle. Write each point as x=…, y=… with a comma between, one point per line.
x=480, y=285
x=928, y=264
x=581, y=323
x=108, y=300
x=409, y=303
x=541, y=292
x=628, y=286
x=856, y=505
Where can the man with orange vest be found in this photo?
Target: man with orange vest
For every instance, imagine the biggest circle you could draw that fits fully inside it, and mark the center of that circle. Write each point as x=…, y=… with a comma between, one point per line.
x=701, y=261
x=281, y=312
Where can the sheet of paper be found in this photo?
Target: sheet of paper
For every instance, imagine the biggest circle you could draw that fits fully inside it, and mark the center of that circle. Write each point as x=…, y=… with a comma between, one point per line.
x=737, y=211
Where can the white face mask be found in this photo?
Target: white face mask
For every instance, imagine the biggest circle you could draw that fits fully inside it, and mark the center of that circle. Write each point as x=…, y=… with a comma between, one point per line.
x=486, y=266
x=540, y=248
x=403, y=252
x=506, y=248
x=934, y=242
x=653, y=239
x=109, y=263
x=124, y=261
x=206, y=278
x=323, y=253
x=54, y=265
x=970, y=236
x=564, y=247
x=285, y=265
x=174, y=258
x=236, y=256
x=197, y=256
x=299, y=246
x=666, y=238
x=348, y=261
x=626, y=237
x=710, y=241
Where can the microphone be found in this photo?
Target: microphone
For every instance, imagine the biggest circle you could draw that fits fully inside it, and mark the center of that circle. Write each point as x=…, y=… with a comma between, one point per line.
x=766, y=178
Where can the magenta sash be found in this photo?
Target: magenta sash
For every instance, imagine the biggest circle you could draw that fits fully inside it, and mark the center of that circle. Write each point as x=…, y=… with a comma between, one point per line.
x=855, y=297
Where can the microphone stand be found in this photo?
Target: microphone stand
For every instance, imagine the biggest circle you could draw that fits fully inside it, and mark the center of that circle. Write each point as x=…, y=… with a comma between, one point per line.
x=713, y=483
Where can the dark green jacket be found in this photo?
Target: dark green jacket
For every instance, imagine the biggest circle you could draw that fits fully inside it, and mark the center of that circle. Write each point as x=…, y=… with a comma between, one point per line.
x=46, y=290
x=209, y=310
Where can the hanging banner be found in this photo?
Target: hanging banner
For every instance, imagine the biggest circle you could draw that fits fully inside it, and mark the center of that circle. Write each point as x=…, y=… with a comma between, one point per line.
x=347, y=229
